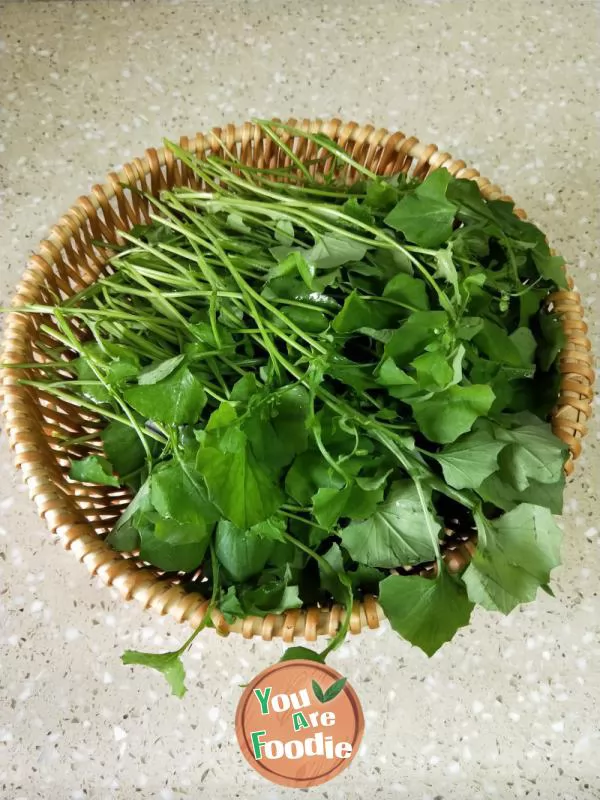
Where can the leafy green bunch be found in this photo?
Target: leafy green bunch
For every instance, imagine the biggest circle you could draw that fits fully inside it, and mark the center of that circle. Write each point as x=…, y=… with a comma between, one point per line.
x=308, y=384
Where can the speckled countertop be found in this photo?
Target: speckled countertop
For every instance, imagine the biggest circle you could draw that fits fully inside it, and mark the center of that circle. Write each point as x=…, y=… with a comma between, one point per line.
x=511, y=709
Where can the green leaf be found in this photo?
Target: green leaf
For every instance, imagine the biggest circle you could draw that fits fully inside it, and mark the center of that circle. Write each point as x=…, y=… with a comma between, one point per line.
x=361, y=501
x=125, y=535
x=115, y=362
x=301, y=653
x=169, y=664
x=497, y=345
x=426, y=216
x=334, y=251
x=380, y=195
x=239, y=485
x=383, y=265
x=532, y=451
x=359, y=211
x=406, y=289
x=526, y=345
x=446, y=415
x=177, y=399
x=310, y=320
x=329, y=582
x=284, y=231
x=465, y=194
x=469, y=327
x=358, y=376
x=530, y=303
x=358, y=313
x=506, y=382
x=178, y=491
x=93, y=469
x=273, y=597
x=412, y=336
x=515, y=556
x=276, y=429
x=174, y=546
x=204, y=336
x=530, y=539
x=236, y=221
x=396, y=534
x=294, y=288
x=308, y=473
x=550, y=267
x=125, y=538
x=98, y=393
x=123, y=448
x=293, y=262
x=329, y=504
x=397, y=382
x=446, y=268
x=332, y=691
x=230, y=606
x=434, y=371
x=318, y=692
x=499, y=491
x=272, y=529
x=522, y=233
x=425, y=612
x=469, y=243
x=470, y=460
x=365, y=578
x=456, y=363
x=548, y=495
x=157, y=372
x=553, y=340
x=241, y=392
x=241, y=553
x=496, y=585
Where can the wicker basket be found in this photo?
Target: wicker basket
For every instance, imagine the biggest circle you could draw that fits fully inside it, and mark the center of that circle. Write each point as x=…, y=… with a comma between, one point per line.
x=70, y=259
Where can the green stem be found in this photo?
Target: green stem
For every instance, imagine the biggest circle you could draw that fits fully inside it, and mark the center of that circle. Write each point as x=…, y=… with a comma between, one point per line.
x=206, y=619
x=76, y=399
x=343, y=630
x=112, y=392
x=298, y=518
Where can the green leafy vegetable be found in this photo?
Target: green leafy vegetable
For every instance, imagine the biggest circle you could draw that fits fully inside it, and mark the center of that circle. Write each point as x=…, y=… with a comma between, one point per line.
x=178, y=492
x=516, y=555
x=176, y=399
x=238, y=484
x=174, y=546
x=470, y=460
x=425, y=612
x=240, y=552
x=306, y=388
x=297, y=652
x=124, y=448
x=169, y=664
x=425, y=217
x=448, y=414
x=93, y=469
x=397, y=533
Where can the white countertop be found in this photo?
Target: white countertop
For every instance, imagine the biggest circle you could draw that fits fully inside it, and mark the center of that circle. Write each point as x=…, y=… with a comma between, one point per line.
x=511, y=708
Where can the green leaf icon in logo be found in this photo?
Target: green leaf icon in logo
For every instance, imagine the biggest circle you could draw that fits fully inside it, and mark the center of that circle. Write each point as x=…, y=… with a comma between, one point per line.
x=329, y=694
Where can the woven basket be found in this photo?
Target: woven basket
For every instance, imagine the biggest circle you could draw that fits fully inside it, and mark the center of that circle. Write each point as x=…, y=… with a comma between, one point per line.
x=70, y=259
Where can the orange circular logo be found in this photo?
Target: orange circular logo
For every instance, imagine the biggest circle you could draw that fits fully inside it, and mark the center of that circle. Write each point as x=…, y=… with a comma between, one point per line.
x=299, y=723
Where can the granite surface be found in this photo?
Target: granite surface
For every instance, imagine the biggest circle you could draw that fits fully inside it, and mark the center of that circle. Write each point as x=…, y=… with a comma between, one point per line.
x=511, y=708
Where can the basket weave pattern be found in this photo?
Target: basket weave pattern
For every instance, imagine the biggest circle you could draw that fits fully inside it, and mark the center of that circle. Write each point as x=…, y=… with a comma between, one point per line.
x=68, y=261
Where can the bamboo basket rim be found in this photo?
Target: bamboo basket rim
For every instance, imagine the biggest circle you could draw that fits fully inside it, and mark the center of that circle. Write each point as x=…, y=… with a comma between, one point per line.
x=68, y=260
